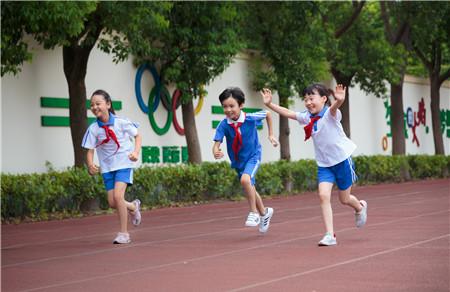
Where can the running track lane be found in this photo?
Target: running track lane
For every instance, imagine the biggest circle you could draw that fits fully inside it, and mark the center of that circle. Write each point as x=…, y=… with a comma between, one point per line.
x=404, y=247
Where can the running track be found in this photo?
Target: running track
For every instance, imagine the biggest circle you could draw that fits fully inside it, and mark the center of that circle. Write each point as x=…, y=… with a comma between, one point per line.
x=403, y=247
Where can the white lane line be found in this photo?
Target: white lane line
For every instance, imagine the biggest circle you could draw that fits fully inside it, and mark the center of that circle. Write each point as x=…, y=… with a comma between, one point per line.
x=147, y=243
x=145, y=229
x=358, y=189
x=235, y=251
x=358, y=259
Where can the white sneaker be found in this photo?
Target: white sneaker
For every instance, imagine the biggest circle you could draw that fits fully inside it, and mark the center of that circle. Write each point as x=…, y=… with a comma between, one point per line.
x=265, y=220
x=361, y=217
x=136, y=217
x=328, y=240
x=252, y=219
x=122, y=238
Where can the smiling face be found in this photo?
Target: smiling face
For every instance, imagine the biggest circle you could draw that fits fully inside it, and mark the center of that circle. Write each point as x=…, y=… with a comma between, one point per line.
x=231, y=108
x=314, y=103
x=100, y=107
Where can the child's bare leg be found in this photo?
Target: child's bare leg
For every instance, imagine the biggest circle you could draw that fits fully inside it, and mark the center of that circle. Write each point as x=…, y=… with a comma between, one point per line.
x=249, y=191
x=259, y=203
x=121, y=205
x=348, y=199
x=111, y=201
x=130, y=206
x=325, y=204
x=112, y=204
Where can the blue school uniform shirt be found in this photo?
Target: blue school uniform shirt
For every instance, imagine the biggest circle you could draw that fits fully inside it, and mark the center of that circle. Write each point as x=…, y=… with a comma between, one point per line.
x=250, y=142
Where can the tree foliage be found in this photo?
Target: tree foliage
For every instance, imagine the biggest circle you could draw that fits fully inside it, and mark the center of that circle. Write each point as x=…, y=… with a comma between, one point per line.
x=362, y=51
x=429, y=24
x=77, y=27
x=289, y=38
x=49, y=23
x=200, y=43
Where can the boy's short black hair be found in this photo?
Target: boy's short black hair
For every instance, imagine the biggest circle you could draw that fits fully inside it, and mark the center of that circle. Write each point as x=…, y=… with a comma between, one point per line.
x=234, y=92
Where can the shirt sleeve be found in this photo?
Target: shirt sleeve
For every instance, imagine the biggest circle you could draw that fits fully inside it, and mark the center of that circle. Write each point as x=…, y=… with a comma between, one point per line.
x=89, y=139
x=220, y=131
x=257, y=116
x=303, y=117
x=130, y=127
x=337, y=117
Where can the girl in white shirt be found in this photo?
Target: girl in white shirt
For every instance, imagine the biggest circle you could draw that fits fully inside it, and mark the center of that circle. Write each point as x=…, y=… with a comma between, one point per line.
x=332, y=150
x=117, y=155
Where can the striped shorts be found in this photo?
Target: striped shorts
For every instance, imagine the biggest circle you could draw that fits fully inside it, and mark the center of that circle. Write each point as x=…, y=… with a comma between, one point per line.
x=250, y=168
x=343, y=174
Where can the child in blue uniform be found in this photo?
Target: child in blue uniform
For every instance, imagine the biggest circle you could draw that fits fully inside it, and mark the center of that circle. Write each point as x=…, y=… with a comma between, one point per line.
x=244, y=150
x=117, y=155
x=332, y=150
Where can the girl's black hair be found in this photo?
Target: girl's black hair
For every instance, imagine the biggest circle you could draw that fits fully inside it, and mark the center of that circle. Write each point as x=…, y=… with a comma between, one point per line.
x=106, y=97
x=320, y=89
x=234, y=92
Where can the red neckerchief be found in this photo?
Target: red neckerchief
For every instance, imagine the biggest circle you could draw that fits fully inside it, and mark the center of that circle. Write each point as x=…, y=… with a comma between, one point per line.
x=308, y=128
x=237, y=142
x=109, y=135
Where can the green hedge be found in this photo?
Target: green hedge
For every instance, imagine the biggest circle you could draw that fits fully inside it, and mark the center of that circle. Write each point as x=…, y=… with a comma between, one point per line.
x=67, y=193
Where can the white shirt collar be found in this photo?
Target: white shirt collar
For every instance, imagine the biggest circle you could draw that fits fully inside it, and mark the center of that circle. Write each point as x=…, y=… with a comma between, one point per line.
x=241, y=119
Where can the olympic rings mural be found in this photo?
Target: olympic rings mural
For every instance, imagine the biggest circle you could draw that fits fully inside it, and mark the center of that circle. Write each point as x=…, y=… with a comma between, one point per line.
x=160, y=94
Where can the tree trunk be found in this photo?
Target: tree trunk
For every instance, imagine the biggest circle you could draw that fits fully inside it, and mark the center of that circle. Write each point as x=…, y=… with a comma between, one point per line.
x=345, y=107
x=397, y=118
x=435, y=113
x=285, y=149
x=190, y=130
x=75, y=60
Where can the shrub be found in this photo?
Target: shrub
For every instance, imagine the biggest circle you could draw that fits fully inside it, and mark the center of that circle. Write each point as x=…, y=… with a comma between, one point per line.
x=221, y=181
x=424, y=166
x=379, y=168
x=37, y=196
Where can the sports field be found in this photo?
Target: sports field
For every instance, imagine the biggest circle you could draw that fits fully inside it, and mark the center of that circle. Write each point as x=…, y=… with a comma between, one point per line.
x=403, y=247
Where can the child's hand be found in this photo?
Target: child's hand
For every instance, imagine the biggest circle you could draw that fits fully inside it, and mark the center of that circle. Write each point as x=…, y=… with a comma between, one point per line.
x=266, y=95
x=339, y=93
x=218, y=154
x=133, y=156
x=274, y=141
x=93, y=169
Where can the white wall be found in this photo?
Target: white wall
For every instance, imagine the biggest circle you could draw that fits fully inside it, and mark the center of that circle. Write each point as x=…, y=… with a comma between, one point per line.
x=26, y=145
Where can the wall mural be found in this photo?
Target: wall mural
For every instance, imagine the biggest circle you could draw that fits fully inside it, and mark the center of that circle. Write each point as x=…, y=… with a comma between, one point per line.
x=160, y=93
x=413, y=120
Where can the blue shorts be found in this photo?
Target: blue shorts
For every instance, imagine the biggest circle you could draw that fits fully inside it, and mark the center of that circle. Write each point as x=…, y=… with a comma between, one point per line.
x=343, y=174
x=123, y=175
x=250, y=168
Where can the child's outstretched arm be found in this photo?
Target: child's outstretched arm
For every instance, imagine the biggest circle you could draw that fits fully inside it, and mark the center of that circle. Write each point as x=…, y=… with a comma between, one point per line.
x=92, y=168
x=133, y=156
x=339, y=95
x=216, y=150
x=267, y=99
x=272, y=139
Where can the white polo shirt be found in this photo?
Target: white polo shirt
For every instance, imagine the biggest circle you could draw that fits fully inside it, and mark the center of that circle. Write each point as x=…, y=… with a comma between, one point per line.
x=331, y=145
x=109, y=159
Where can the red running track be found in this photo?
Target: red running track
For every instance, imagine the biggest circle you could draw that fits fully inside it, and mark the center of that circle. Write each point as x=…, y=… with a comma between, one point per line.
x=403, y=247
